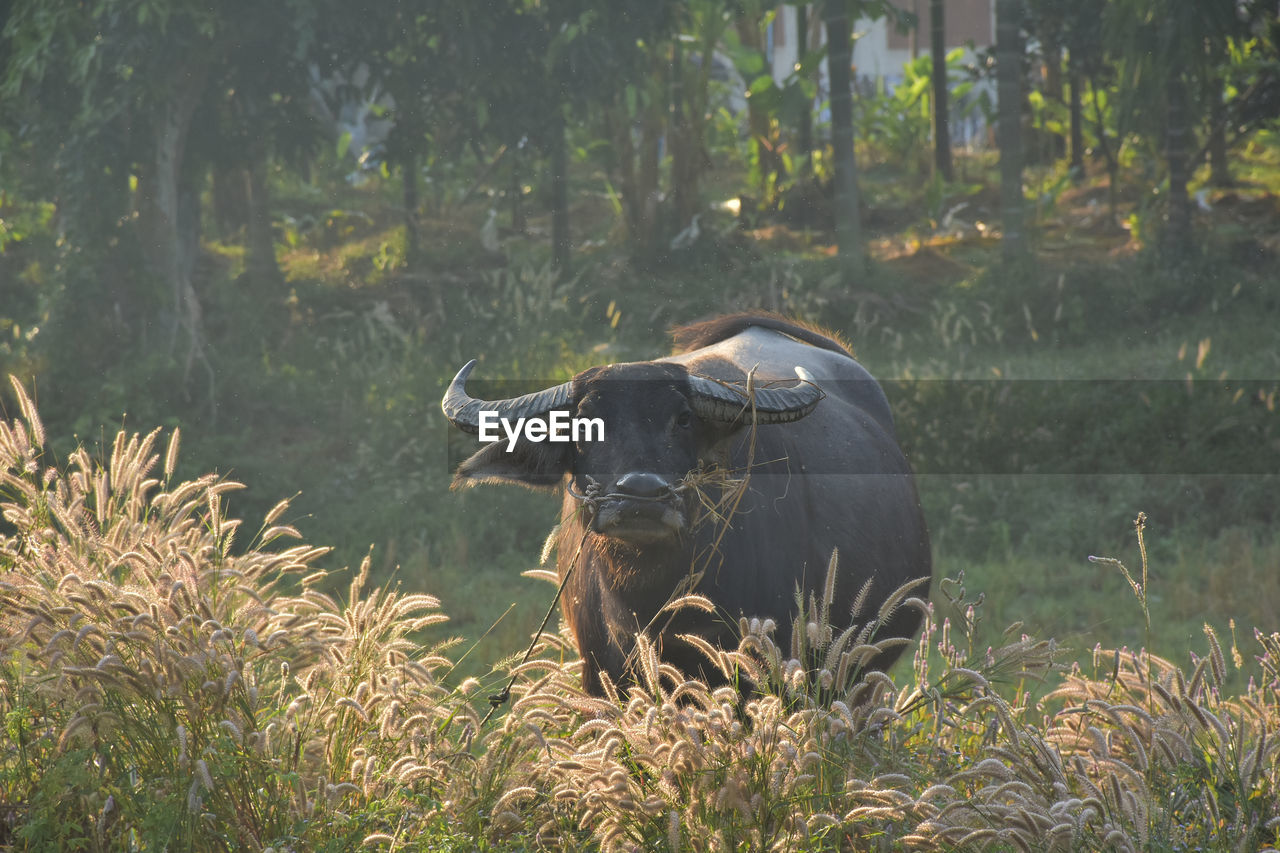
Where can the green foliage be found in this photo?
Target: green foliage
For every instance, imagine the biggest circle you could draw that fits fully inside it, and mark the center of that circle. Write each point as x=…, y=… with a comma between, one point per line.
x=895, y=123
x=25, y=248
x=19, y=221
x=1149, y=47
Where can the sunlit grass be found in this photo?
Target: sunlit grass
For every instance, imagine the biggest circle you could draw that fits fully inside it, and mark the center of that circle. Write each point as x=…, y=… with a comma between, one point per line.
x=233, y=255
x=361, y=261
x=164, y=689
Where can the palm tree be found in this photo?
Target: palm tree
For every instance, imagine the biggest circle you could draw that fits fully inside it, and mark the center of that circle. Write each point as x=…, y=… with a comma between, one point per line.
x=835, y=17
x=941, y=125
x=1009, y=125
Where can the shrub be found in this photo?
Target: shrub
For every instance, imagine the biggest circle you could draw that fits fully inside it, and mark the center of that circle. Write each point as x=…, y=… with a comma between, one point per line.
x=162, y=689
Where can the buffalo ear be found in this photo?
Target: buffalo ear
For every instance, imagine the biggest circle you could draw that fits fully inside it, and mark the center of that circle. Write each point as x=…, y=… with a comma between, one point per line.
x=532, y=464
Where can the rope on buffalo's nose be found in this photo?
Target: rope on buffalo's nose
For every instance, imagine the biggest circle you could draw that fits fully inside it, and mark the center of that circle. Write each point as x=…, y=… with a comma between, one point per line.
x=590, y=495
x=497, y=700
x=627, y=496
x=592, y=498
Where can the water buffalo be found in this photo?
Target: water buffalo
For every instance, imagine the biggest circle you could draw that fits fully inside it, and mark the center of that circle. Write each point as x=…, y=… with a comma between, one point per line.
x=825, y=473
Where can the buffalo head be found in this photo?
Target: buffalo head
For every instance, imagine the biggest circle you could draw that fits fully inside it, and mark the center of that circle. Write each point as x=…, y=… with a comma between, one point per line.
x=660, y=422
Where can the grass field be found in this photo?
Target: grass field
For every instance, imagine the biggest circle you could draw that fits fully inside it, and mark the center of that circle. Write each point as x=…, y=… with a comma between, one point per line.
x=360, y=722
x=164, y=688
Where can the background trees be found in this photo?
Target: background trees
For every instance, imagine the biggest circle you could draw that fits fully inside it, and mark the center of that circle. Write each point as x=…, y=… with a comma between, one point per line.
x=1170, y=71
x=164, y=163
x=146, y=131
x=128, y=107
x=140, y=102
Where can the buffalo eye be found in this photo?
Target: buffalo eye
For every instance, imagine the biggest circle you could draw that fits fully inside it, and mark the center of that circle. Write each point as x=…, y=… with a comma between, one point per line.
x=684, y=419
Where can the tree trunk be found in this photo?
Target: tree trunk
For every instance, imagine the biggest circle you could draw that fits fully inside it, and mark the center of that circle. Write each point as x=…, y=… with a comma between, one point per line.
x=261, y=261
x=1219, y=166
x=617, y=123
x=640, y=171
x=1177, y=226
x=517, y=191
x=1108, y=155
x=684, y=156
x=637, y=172
x=230, y=198
x=164, y=238
x=1053, y=90
x=941, y=124
x=913, y=40
x=1074, y=79
x=560, y=257
x=759, y=122
x=690, y=93
x=409, y=188
x=848, y=226
x=1009, y=125
x=646, y=202
x=170, y=231
x=804, y=128
x=636, y=127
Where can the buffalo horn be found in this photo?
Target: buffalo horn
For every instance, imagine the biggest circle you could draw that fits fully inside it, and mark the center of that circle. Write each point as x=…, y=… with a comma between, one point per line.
x=719, y=401
x=464, y=411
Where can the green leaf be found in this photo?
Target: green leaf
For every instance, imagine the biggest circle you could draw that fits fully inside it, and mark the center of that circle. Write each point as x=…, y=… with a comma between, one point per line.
x=811, y=61
x=765, y=94
x=750, y=64
x=760, y=86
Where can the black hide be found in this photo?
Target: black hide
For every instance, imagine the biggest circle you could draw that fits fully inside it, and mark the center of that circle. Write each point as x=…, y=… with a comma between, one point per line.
x=629, y=534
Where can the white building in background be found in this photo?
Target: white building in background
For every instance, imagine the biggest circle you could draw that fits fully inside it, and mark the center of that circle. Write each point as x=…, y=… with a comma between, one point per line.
x=880, y=51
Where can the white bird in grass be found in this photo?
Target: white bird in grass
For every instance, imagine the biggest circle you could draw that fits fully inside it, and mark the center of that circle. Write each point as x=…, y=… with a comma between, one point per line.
x=950, y=216
x=688, y=236
x=489, y=233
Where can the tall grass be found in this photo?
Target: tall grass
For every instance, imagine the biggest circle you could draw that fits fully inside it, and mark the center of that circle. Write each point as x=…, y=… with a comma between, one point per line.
x=164, y=688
